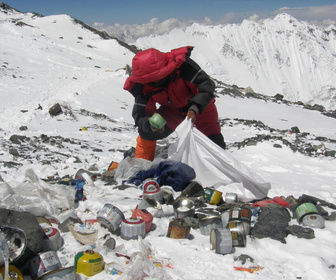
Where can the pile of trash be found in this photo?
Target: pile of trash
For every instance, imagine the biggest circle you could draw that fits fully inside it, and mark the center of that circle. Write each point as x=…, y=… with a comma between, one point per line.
x=34, y=216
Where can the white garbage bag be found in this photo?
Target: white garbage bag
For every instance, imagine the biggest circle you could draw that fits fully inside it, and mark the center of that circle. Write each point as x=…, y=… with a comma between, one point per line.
x=215, y=166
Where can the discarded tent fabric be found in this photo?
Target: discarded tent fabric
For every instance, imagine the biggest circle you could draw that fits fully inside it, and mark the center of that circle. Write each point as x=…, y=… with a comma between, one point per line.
x=213, y=165
x=171, y=173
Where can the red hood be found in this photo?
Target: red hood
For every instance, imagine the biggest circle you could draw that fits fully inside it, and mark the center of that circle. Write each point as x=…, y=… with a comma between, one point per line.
x=152, y=65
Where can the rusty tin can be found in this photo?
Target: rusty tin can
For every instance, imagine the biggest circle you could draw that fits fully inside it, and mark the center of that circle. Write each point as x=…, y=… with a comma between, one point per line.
x=110, y=217
x=238, y=234
x=178, y=229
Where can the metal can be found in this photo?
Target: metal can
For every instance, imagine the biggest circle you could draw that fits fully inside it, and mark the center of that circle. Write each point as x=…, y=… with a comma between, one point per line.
x=16, y=240
x=238, y=233
x=206, y=224
x=43, y=263
x=67, y=273
x=178, y=229
x=184, y=207
x=132, y=228
x=231, y=197
x=212, y=196
x=305, y=209
x=225, y=216
x=110, y=217
x=221, y=241
x=240, y=213
x=313, y=220
x=145, y=216
x=13, y=273
x=152, y=189
x=89, y=263
x=52, y=240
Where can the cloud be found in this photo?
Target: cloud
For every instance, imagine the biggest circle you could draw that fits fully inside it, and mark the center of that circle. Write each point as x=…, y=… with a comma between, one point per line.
x=318, y=15
x=130, y=32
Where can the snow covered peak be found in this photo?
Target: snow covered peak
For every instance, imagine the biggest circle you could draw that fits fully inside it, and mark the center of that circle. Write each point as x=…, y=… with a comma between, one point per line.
x=280, y=55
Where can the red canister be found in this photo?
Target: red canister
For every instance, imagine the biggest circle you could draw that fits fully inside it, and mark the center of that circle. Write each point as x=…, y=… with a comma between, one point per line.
x=145, y=216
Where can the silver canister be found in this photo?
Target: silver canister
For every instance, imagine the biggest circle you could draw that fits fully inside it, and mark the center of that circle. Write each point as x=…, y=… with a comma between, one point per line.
x=151, y=188
x=132, y=228
x=231, y=197
x=206, y=224
x=221, y=241
x=110, y=217
x=52, y=240
x=313, y=220
x=16, y=241
x=44, y=263
x=184, y=207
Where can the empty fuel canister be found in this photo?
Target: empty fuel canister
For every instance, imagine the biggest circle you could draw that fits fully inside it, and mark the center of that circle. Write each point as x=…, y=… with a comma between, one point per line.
x=89, y=263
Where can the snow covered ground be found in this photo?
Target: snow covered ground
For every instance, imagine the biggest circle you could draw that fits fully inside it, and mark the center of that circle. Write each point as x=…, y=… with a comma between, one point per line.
x=51, y=60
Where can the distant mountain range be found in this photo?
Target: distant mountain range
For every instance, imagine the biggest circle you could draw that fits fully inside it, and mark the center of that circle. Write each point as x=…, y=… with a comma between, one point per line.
x=281, y=55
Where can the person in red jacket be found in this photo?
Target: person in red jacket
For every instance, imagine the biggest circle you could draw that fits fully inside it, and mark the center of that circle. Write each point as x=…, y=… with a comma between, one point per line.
x=180, y=87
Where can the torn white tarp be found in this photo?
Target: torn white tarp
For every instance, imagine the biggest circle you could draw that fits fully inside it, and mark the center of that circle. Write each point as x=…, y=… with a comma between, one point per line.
x=215, y=166
x=36, y=196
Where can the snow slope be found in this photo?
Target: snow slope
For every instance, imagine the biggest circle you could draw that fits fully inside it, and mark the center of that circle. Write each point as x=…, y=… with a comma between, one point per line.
x=52, y=59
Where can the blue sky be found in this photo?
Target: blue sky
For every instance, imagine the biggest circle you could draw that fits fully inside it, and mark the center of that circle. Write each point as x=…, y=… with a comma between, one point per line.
x=111, y=12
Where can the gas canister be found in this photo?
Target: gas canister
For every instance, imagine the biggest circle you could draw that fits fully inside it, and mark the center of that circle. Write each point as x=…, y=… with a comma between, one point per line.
x=89, y=263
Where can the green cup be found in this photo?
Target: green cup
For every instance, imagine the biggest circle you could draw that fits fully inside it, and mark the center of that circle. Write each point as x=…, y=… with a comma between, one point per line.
x=157, y=121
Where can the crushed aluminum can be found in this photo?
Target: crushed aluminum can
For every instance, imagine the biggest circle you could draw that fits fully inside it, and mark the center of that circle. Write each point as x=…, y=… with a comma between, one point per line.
x=110, y=217
x=43, y=263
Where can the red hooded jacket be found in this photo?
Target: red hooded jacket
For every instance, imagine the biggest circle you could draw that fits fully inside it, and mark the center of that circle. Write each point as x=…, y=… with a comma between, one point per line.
x=177, y=84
